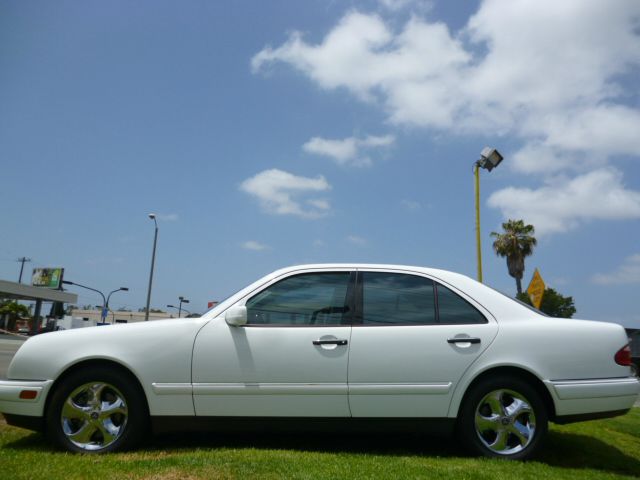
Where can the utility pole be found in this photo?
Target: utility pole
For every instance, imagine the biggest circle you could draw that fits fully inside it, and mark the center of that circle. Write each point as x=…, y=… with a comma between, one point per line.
x=22, y=261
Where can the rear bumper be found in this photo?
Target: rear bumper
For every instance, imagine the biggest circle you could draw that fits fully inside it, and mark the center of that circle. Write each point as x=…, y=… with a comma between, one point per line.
x=12, y=404
x=610, y=396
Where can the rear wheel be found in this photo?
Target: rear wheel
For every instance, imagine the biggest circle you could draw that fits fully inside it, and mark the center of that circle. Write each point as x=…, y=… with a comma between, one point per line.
x=503, y=417
x=99, y=410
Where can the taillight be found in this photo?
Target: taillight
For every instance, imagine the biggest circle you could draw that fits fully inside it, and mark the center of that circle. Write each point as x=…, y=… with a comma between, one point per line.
x=623, y=356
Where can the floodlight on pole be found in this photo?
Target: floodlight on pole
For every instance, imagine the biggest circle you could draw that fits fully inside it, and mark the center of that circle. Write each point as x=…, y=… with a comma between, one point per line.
x=490, y=158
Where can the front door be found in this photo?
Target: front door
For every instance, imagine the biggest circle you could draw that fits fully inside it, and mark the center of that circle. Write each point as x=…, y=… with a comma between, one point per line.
x=289, y=360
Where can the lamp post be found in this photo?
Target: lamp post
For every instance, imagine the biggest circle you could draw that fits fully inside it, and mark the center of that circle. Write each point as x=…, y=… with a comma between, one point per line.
x=105, y=301
x=121, y=289
x=173, y=306
x=182, y=300
x=152, y=216
x=490, y=158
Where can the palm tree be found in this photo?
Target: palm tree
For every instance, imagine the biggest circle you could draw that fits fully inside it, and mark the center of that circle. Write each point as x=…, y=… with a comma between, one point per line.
x=515, y=243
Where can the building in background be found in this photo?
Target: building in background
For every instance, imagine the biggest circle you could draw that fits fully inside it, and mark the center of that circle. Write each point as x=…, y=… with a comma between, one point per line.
x=89, y=318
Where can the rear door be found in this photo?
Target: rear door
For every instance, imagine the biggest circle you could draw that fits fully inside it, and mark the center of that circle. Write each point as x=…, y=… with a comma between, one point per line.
x=412, y=340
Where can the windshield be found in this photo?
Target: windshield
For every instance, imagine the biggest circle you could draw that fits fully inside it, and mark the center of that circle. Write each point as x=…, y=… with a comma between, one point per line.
x=221, y=302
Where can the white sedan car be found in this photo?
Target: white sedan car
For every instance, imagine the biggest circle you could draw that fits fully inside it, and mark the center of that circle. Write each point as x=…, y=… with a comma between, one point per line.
x=393, y=347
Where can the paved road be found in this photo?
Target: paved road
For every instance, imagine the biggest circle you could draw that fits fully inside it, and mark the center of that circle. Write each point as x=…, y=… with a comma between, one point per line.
x=8, y=347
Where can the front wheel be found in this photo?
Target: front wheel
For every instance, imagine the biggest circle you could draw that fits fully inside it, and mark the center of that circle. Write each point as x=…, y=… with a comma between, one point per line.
x=95, y=411
x=503, y=417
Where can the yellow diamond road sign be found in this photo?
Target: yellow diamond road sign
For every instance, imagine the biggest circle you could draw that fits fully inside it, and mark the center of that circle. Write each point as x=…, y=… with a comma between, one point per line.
x=536, y=289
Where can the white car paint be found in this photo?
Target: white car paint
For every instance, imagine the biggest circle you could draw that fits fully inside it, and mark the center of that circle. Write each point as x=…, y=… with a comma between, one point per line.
x=206, y=367
x=155, y=352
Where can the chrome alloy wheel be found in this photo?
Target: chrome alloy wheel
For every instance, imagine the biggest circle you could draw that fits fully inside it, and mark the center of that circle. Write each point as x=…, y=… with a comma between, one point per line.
x=94, y=416
x=505, y=422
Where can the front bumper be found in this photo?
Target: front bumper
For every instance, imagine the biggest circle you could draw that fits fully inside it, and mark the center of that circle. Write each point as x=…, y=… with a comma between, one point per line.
x=577, y=397
x=11, y=403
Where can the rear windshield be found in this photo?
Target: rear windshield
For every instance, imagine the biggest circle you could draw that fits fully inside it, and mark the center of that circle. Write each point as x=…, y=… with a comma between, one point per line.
x=533, y=309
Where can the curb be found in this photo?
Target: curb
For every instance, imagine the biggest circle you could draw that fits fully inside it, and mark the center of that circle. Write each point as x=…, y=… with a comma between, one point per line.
x=6, y=332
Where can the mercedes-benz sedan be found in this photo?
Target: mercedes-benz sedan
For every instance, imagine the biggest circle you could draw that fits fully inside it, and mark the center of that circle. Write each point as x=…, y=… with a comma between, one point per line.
x=332, y=346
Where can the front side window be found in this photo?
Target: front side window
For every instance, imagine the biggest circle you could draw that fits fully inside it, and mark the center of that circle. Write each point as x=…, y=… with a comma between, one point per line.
x=397, y=299
x=306, y=300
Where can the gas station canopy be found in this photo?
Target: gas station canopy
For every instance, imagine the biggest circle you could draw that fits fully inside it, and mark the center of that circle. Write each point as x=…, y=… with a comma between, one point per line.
x=20, y=291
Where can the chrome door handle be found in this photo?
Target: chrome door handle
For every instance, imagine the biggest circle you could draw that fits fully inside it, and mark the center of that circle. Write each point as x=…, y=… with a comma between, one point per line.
x=463, y=340
x=330, y=342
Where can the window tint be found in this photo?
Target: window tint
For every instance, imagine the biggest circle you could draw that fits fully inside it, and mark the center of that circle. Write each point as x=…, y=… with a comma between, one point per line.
x=452, y=308
x=397, y=299
x=307, y=299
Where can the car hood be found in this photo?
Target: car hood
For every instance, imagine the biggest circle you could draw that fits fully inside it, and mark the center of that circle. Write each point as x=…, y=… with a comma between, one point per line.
x=45, y=356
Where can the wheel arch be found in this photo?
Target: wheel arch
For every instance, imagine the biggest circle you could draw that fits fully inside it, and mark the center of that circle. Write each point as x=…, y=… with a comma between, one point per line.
x=516, y=372
x=92, y=363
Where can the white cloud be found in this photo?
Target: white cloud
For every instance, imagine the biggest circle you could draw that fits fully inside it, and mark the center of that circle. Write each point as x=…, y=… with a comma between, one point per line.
x=253, y=245
x=280, y=193
x=319, y=204
x=425, y=75
x=356, y=240
x=411, y=205
x=168, y=217
x=627, y=273
x=363, y=55
x=543, y=159
x=562, y=206
x=347, y=151
x=557, y=282
x=396, y=5
x=550, y=74
x=318, y=243
x=607, y=129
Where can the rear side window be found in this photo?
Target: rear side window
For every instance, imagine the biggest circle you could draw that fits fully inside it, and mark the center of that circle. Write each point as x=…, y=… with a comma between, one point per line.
x=306, y=300
x=453, y=309
x=397, y=299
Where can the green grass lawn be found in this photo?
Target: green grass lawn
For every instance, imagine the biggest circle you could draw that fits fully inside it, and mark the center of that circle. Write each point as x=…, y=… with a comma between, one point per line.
x=599, y=450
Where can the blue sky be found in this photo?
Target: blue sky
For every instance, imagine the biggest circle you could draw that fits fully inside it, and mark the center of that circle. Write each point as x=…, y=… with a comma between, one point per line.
x=265, y=134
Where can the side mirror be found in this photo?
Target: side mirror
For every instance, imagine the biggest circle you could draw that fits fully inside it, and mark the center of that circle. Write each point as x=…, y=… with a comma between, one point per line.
x=236, y=316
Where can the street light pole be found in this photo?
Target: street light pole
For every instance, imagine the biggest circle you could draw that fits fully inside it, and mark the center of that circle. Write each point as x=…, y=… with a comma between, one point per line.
x=121, y=289
x=173, y=306
x=152, y=216
x=182, y=300
x=490, y=158
x=104, y=300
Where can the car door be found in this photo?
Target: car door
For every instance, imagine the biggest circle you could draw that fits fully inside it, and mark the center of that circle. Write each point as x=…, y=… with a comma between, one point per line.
x=412, y=340
x=290, y=359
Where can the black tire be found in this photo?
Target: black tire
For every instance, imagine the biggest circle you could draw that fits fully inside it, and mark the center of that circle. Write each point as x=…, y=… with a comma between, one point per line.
x=503, y=417
x=97, y=410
